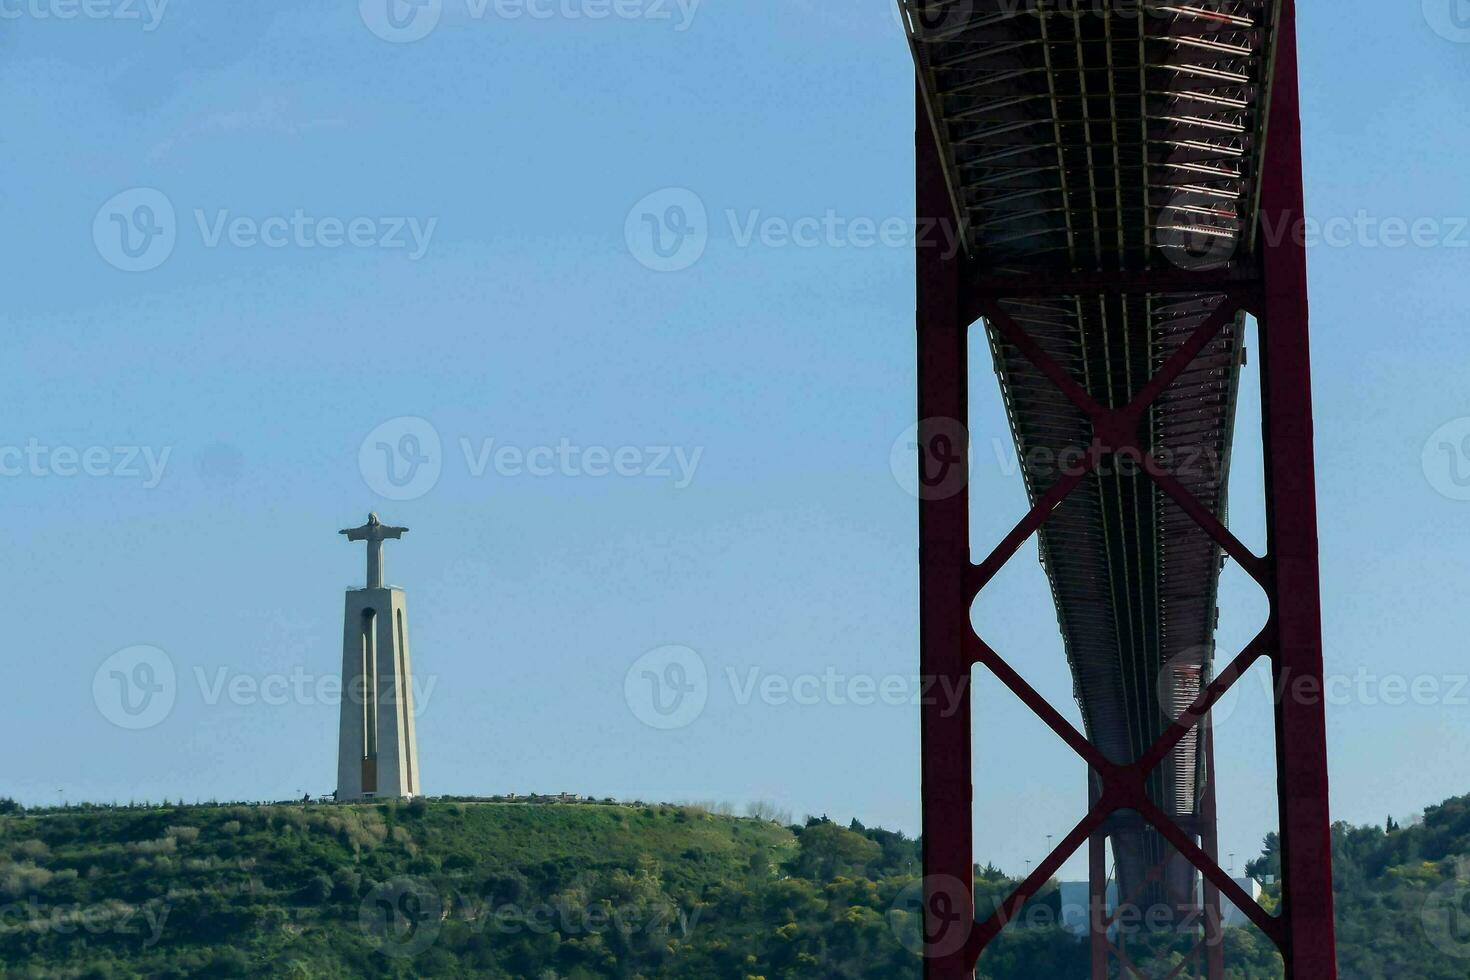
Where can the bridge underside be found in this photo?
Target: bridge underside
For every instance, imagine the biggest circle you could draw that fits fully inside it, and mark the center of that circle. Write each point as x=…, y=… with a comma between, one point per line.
x=1105, y=164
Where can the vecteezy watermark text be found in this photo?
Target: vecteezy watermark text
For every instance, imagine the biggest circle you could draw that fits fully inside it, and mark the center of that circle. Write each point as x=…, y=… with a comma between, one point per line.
x=1364, y=229
x=403, y=458
x=301, y=230
x=405, y=21
x=138, y=229
x=106, y=918
x=299, y=686
x=833, y=687
x=35, y=459
x=148, y=13
x=404, y=916
x=674, y=463
x=926, y=916
x=670, y=230
x=1178, y=689
x=935, y=459
x=669, y=688
x=137, y=688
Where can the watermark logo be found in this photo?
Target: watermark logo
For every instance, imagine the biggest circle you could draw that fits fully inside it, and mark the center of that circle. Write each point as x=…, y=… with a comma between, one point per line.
x=300, y=687
x=136, y=230
x=402, y=917
x=404, y=21
x=139, y=687
x=1362, y=229
x=677, y=464
x=667, y=688
x=929, y=916
x=1446, y=459
x=837, y=689
x=401, y=21
x=1179, y=686
x=36, y=459
x=143, y=924
x=668, y=231
x=933, y=20
x=670, y=687
x=402, y=458
x=135, y=688
x=930, y=460
x=480, y=915
x=305, y=231
x=1198, y=233
x=148, y=12
x=1446, y=914
x=1450, y=19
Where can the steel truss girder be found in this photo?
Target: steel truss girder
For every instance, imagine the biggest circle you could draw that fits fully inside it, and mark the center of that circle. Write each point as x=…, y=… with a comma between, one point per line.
x=1273, y=288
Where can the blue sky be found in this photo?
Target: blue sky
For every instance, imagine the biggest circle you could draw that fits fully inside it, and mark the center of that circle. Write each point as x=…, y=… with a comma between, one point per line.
x=227, y=391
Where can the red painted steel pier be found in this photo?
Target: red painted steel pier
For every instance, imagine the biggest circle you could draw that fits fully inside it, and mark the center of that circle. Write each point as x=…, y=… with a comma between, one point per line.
x=1126, y=178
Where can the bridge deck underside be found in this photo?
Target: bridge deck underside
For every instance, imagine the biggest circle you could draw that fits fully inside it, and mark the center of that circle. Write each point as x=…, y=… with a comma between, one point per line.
x=1084, y=138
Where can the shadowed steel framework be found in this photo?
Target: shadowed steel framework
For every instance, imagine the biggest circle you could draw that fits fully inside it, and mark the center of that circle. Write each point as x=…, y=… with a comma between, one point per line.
x=1126, y=178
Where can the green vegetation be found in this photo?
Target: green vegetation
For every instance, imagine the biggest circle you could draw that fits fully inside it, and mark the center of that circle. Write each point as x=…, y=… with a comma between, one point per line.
x=1402, y=893
x=458, y=889
x=567, y=891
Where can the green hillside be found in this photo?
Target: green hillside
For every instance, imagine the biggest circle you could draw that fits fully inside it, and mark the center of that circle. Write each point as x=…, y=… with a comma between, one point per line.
x=459, y=889
x=565, y=891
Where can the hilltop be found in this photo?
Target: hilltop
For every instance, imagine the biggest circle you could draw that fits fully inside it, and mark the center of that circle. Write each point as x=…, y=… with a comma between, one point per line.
x=580, y=890
x=436, y=889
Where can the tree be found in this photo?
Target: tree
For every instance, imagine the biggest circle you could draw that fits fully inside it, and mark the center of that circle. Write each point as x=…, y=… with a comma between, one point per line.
x=828, y=851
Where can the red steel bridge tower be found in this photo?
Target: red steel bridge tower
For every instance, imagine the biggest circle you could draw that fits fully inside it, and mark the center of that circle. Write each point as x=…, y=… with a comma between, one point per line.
x=1126, y=179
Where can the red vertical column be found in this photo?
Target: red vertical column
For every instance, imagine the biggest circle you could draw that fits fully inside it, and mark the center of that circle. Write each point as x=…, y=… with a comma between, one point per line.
x=944, y=558
x=1097, y=903
x=1301, y=730
x=1214, y=939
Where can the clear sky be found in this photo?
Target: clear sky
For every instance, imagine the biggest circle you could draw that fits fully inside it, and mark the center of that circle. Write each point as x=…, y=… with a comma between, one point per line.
x=453, y=229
